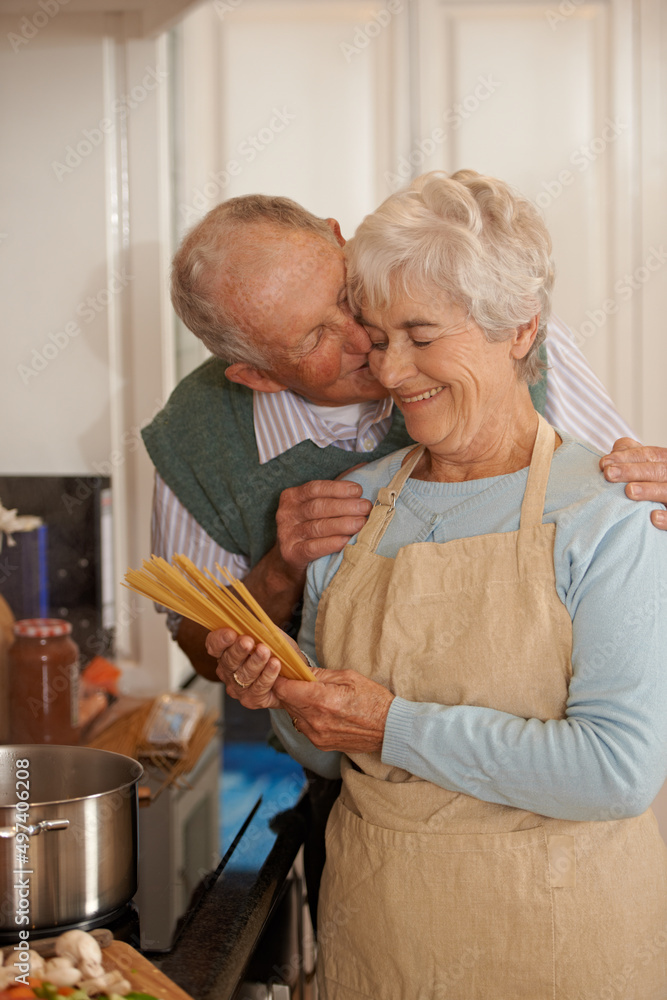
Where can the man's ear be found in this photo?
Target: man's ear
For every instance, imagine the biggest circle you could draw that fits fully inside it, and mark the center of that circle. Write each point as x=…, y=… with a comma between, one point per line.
x=335, y=229
x=253, y=378
x=523, y=338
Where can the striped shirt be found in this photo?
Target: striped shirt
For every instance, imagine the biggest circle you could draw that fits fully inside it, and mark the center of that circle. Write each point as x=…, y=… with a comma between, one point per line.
x=283, y=420
x=577, y=402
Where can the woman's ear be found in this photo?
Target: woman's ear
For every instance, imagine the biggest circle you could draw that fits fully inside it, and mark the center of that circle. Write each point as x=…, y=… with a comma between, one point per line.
x=253, y=378
x=524, y=337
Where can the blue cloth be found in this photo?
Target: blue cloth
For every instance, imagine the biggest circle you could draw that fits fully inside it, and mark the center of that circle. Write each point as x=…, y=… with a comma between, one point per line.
x=252, y=771
x=608, y=758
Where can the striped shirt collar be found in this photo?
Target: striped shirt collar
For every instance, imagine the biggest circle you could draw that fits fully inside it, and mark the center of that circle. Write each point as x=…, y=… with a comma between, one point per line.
x=283, y=420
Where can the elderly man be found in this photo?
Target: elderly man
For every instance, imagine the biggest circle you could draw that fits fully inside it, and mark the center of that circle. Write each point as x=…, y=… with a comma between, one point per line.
x=257, y=435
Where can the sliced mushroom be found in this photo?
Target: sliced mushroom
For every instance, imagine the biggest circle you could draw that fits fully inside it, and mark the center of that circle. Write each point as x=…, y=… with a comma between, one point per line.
x=84, y=952
x=61, y=972
x=6, y=976
x=109, y=982
x=35, y=961
x=36, y=964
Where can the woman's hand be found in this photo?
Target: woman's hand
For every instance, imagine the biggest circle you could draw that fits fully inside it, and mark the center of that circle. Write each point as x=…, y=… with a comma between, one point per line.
x=248, y=671
x=344, y=711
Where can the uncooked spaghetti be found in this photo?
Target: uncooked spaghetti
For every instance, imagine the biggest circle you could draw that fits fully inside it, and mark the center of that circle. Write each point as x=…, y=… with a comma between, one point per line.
x=198, y=595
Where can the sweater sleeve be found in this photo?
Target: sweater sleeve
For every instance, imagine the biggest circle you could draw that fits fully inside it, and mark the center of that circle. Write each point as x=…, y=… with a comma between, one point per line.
x=607, y=759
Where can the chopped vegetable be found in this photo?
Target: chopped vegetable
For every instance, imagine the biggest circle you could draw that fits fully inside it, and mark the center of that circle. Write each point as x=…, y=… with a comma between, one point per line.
x=17, y=992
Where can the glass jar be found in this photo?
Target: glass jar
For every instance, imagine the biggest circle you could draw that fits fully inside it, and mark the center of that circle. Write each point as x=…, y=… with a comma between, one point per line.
x=43, y=682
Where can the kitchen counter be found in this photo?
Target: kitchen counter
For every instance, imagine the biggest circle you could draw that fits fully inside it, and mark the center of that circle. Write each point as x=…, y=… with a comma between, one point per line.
x=231, y=908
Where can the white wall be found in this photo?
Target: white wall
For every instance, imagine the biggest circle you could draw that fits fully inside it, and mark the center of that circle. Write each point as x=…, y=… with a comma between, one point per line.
x=54, y=252
x=86, y=352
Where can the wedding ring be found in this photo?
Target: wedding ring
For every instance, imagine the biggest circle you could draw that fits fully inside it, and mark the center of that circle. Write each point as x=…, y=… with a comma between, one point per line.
x=294, y=723
x=240, y=683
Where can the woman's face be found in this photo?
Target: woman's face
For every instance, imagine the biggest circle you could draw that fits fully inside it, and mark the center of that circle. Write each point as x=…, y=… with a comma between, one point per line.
x=455, y=388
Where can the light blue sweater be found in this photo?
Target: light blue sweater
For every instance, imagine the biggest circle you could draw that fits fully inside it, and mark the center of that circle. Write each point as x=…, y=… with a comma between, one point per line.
x=608, y=758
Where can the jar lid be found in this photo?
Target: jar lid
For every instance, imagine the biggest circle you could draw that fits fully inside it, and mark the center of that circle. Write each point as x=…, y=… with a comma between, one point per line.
x=42, y=628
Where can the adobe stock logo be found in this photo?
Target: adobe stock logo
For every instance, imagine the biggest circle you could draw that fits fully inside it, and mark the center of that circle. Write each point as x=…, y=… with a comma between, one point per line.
x=59, y=340
x=625, y=287
x=31, y=26
x=74, y=155
x=581, y=158
x=364, y=34
x=246, y=152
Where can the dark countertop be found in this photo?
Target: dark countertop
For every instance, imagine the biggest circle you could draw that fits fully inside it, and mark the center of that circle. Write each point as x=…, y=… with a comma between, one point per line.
x=230, y=909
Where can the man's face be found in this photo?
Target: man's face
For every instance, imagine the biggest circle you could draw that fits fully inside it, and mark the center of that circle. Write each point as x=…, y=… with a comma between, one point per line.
x=296, y=309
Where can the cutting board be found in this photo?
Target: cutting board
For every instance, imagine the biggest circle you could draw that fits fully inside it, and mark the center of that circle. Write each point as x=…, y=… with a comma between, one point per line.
x=141, y=973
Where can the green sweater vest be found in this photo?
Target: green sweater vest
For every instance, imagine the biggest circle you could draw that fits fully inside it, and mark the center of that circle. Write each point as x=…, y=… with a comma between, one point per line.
x=203, y=446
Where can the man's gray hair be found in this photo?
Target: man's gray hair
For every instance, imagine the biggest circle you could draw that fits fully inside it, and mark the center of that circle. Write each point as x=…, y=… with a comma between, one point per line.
x=474, y=238
x=217, y=243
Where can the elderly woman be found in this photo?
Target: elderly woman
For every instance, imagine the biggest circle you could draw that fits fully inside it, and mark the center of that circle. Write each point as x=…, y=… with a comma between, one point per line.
x=495, y=691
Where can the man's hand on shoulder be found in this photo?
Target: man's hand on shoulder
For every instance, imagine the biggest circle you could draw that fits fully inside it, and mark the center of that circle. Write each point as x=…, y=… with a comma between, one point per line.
x=644, y=469
x=318, y=519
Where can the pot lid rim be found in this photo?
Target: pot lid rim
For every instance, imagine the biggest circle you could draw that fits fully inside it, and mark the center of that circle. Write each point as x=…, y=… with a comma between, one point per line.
x=79, y=798
x=18, y=749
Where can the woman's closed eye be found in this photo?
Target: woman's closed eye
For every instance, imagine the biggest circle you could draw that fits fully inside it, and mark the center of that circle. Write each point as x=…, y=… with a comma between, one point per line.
x=381, y=345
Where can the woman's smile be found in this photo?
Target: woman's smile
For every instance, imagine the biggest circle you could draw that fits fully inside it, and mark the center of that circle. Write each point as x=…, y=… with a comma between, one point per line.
x=427, y=394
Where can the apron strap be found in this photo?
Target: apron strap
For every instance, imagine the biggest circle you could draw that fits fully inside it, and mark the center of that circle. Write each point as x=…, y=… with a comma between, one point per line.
x=532, y=508
x=380, y=517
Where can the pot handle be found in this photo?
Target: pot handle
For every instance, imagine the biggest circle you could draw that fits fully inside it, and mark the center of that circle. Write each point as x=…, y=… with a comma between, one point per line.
x=34, y=828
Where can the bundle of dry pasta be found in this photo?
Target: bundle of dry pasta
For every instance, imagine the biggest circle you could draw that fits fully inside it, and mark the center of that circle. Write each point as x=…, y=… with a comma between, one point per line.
x=199, y=596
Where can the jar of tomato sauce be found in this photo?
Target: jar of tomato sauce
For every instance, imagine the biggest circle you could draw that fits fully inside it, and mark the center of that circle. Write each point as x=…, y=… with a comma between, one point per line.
x=43, y=667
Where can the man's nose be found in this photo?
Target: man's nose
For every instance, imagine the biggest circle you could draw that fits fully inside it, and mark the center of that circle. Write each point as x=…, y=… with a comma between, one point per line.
x=357, y=340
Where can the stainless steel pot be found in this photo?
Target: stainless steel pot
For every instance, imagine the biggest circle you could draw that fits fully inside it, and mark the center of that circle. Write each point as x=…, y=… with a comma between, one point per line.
x=71, y=855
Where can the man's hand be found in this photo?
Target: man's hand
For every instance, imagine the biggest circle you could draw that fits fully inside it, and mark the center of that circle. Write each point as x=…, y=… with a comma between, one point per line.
x=318, y=519
x=644, y=469
x=313, y=520
x=343, y=711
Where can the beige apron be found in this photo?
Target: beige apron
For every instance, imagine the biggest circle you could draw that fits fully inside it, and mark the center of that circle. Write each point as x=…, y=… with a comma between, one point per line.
x=430, y=894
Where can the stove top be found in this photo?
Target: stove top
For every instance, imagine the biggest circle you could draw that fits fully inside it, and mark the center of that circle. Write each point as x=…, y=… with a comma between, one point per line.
x=123, y=924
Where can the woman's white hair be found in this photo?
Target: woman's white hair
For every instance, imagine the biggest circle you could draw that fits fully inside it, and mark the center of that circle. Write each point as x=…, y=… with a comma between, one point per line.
x=470, y=236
